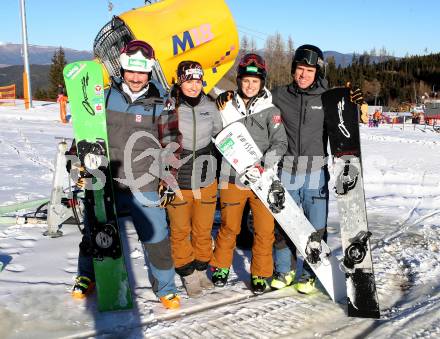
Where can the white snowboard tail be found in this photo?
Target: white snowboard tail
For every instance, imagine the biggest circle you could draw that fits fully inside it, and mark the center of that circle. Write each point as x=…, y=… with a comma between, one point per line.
x=239, y=149
x=353, y=219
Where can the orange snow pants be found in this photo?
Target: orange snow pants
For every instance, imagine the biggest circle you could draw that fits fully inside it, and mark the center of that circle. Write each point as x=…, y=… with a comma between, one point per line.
x=191, y=220
x=233, y=200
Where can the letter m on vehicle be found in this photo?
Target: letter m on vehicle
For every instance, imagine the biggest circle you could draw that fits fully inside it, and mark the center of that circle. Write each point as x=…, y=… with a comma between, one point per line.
x=193, y=37
x=186, y=39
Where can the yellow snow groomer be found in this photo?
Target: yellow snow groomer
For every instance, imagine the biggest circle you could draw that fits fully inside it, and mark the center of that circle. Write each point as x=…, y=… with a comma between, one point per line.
x=178, y=30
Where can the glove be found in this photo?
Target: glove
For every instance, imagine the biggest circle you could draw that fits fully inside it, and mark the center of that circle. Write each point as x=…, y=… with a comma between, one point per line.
x=223, y=99
x=356, y=96
x=167, y=195
x=276, y=196
x=77, y=173
x=251, y=175
x=81, y=182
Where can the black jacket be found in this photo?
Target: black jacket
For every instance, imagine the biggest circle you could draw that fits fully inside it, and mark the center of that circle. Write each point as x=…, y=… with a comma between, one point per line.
x=303, y=117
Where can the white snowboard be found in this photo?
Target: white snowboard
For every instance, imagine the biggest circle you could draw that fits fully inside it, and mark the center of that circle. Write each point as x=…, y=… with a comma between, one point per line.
x=237, y=146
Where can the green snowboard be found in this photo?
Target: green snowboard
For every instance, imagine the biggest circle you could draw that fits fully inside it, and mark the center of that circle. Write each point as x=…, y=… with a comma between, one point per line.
x=85, y=90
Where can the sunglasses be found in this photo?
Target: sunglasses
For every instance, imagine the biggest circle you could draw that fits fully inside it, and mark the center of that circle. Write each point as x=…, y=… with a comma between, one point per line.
x=134, y=46
x=253, y=59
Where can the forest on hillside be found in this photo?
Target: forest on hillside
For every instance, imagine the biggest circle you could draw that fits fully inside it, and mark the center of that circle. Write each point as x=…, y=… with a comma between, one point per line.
x=392, y=82
x=385, y=80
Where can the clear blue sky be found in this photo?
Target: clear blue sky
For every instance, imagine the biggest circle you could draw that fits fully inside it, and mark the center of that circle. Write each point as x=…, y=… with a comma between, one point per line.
x=401, y=26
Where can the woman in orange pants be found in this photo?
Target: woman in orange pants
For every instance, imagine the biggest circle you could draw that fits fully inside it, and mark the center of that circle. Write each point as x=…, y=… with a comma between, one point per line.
x=192, y=119
x=252, y=105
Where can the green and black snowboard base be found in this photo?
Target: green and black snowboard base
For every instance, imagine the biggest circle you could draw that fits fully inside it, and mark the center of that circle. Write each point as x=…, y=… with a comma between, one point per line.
x=85, y=90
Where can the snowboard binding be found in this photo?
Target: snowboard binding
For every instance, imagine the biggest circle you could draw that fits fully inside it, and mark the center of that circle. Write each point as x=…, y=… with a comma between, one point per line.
x=104, y=240
x=92, y=155
x=275, y=197
x=313, y=248
x=347, y=180
x=356, y=252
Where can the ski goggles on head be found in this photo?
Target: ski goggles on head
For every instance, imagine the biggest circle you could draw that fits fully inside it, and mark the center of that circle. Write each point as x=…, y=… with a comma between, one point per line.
x=255, y=59
x=309, y=57
x=136, y=45
x=189, y=70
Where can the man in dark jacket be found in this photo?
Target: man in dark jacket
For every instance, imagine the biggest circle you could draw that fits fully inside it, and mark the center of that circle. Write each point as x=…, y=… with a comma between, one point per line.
x=133, y=106
x=304, y=171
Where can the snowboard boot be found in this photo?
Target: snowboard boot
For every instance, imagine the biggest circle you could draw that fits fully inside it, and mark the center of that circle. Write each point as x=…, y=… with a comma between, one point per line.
x=170, y=301
x=220, y=276
x=258, y=284
x=204, y=280
x=83, y=286
x=192, y=285
x=281, y=280
x=306, y=284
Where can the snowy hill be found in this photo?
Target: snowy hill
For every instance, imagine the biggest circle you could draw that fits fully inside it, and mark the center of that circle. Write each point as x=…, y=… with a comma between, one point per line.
x=403, y=204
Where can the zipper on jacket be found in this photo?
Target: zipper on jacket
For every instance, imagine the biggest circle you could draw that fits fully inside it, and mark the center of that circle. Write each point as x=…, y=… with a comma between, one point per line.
x=194, y=148
x=250, y=116
x=258, y=124
x=299, y=126
x=305, y=111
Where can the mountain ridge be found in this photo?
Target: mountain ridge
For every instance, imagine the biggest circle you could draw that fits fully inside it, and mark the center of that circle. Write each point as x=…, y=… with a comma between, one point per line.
x=11, y=54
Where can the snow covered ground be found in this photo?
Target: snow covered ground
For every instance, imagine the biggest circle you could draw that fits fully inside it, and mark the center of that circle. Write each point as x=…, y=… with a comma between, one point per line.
x=401, y=169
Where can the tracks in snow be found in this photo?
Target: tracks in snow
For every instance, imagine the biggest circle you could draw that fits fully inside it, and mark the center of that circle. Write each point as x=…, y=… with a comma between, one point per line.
x=27, y=151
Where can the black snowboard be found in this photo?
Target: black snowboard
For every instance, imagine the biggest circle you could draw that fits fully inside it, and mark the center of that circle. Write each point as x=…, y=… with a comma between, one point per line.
x=342, y=124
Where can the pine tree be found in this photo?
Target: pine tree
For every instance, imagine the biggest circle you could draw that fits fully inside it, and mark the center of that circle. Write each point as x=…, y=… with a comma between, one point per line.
x=40, y=94
x=56, y=72
x=331, y=70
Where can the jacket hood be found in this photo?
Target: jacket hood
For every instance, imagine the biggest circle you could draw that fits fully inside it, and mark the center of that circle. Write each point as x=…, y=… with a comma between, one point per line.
x=258, y=103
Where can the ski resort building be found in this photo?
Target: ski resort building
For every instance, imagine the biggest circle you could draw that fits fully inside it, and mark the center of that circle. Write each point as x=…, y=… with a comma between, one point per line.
x=432, y=112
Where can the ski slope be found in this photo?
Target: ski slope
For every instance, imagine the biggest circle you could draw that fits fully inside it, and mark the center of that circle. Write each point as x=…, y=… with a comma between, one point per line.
x=403, y=203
